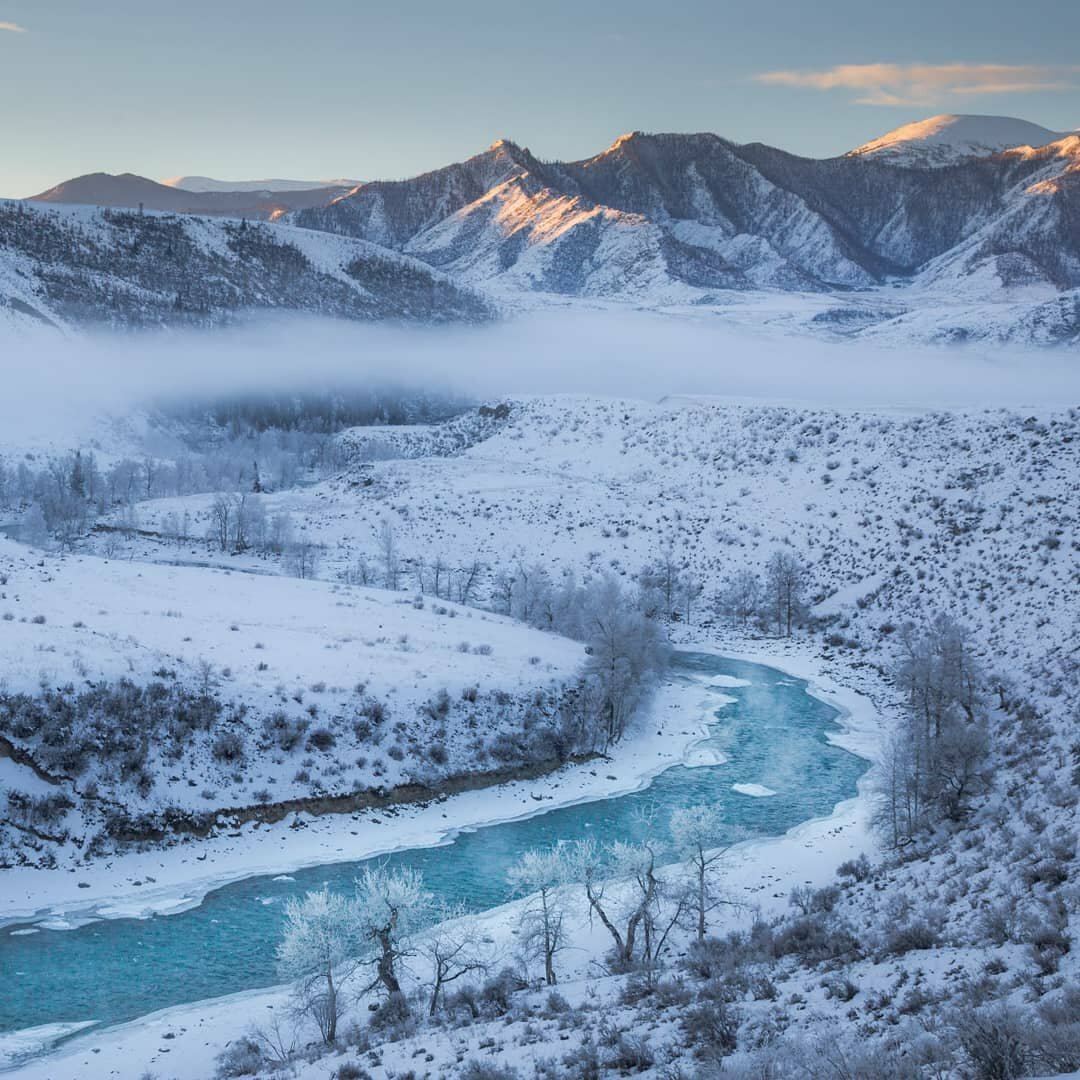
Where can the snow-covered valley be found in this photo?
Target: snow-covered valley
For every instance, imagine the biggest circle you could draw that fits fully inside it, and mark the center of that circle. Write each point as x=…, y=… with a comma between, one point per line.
x=327, y=685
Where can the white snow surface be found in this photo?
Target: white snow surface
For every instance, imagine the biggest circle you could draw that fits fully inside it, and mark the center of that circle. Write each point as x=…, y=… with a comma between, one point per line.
x=207, y=183
x=948, y=138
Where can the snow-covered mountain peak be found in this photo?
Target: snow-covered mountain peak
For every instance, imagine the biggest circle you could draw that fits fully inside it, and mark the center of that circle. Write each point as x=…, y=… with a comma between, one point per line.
x=209, y=184
x=949, y=138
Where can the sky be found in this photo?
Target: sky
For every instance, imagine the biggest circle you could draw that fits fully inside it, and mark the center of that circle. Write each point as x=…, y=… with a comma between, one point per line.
x=246, y=89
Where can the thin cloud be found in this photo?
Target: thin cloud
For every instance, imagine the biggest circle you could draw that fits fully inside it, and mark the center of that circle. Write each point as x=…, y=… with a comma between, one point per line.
x=12, y=28
x=926, y=84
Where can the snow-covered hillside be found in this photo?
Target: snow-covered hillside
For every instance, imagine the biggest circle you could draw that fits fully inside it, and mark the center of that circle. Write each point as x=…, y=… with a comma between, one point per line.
x=73, y=266
x=268, y=689
x=902, y=965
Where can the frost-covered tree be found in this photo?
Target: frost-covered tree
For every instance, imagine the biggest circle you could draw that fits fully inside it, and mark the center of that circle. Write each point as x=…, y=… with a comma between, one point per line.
x=696, y=831
x=624, y=892
x=302, y=557
x=538, y=875
x=221, y=516
x=318, y=955
x=386, y=541
x=34, y=530
x=936, y=761
x=626, y=653
x=390, y=905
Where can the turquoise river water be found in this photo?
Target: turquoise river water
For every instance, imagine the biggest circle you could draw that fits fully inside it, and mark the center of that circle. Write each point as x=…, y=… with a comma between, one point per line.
x=113, y=970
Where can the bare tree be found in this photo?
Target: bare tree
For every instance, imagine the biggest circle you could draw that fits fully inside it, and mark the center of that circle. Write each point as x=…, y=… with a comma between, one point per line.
x=741, y=597
x=538, y=875
x=690, y=590
x=453, y=952
x=221, y=511
x=386, y=539
x=786, y=577
x=467, y=580
x=302, y=557
x=438, y=574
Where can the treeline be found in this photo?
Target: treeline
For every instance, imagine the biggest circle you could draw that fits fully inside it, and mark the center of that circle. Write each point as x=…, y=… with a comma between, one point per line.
x=324, y=412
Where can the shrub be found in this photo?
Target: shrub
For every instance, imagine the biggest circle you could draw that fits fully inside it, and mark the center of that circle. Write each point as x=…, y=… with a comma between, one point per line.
x=482, y=1070
x=321, y=739
x=858, y=869
x=284, y=731
x=711, y=1029
x=993, y=1043
x=438, y=706
x=228, y=746
x=393, y=1015
x=243, y=1057
x=351, y=1071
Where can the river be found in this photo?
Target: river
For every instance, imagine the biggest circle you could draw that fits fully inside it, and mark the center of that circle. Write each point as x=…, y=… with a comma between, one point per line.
x=771, y=734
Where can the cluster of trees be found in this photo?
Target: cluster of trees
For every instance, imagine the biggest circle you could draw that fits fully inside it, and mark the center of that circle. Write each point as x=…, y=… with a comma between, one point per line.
x=624, y=891
x=936, y=761
x=330, y=939
x=669, y=588
x=245, y=444
x=239, y=522
x=627, y=649
x=626, y=645
x=776, y=598
x=66, y=493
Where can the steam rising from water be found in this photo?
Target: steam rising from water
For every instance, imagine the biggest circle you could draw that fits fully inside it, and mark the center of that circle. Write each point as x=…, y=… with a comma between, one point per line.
x=50, y=381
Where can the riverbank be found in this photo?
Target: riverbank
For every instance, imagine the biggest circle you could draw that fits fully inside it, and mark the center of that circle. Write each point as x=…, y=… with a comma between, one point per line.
x=139, y=884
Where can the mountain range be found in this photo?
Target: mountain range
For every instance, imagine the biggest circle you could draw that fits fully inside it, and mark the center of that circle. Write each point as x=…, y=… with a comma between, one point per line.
x=205, y=196
x=942, y=230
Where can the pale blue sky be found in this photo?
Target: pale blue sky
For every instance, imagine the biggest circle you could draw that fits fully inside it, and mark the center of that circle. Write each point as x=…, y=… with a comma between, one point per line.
x=243, y=89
